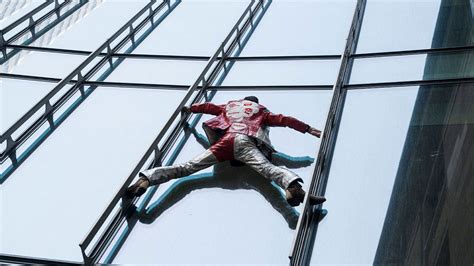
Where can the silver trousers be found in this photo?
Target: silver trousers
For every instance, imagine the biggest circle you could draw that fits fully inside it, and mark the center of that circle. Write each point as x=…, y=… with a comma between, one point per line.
x=245, y=150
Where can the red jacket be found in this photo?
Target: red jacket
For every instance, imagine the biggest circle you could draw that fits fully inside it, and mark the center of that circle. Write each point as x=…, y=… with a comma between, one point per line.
x=247, y=118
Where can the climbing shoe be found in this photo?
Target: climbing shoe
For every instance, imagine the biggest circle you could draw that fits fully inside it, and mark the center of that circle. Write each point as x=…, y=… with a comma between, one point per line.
x=295, y=195
x=137, y=189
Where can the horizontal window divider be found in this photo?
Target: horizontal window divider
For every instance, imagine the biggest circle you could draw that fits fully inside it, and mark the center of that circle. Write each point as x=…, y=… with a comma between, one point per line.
x=49, y=49
x=270, y=87
x=132, y=85
x=15, y=259
x=408, y=83
x=284, y=57
x=244, y=87
x=29, y=77
x=176, y=57
x=415, y=52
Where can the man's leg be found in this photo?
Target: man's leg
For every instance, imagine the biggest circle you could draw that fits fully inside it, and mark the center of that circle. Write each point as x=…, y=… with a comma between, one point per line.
x=246, y=151
x=162, y=174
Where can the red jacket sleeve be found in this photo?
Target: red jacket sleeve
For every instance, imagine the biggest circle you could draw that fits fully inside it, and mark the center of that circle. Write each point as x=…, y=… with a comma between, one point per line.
x=285, y=121
x=207, y=108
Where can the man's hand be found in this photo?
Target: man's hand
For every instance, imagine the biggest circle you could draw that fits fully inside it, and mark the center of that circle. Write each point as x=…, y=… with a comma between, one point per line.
x=185, y=110
x=313, y=131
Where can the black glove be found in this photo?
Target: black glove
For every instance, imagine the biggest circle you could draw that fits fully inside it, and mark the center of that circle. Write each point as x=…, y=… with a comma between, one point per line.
x=185, y=110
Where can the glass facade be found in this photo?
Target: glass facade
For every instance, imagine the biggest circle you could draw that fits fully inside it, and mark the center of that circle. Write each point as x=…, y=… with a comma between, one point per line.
x=91, y=92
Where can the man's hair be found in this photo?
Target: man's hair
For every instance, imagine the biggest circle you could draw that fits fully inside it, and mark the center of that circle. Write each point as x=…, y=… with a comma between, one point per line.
x=252, y=99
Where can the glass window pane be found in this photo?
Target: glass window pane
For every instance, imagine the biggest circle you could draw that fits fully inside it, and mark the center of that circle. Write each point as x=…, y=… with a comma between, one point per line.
x=366, y=157
x=194, y=28
x=392, y=25
x=302, y=28
x=402, y=193
x=11, y=11
x=158, y=71
x=413, y=67
x=54, y=198
x=88, y=23
x=44, y=64
x=17, y=97
x=315, y=72
x=228, y=214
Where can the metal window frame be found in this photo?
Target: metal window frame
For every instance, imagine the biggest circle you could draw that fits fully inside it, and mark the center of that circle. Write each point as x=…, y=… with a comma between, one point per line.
x=458, y=49
x=312, y=87
x=33, y=23
x=177, y=57
x=467, y=48
x=27, y=16
x=301, y=251
x=173, y=126
x=13, y=259
x=45, y=103
x=307, y=225
x=135, y=85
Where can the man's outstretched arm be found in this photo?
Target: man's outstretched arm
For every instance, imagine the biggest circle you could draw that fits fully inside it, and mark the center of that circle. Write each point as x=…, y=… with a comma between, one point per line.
x=278, y=120
x=205, y=108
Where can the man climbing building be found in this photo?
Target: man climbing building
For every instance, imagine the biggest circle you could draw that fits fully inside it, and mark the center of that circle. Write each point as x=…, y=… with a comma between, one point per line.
x=239, y=132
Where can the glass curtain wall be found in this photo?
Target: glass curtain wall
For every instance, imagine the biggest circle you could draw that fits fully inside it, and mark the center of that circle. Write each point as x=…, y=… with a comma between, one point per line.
x=224, y=215
x=399, y=186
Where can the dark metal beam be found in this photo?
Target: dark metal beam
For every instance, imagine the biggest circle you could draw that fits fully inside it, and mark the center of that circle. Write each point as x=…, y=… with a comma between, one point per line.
x=29, y=77
x=171, y=129
x=301, y=251
x=177, y=57
x=408, y=83
x=133, y=85
x=469, y=48
x=284, y=57
x=13, y=259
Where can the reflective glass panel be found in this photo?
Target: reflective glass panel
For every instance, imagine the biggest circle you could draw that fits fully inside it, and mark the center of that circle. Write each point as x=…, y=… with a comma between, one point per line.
x=367, y=153
x=43, y=64
x=194, y=28
x=89, y=26
x=54, y=198
x=158, y=71
x=228, y=214
x=11, y=11
x=413, y=67
x=302, y=28
x=392, y=25
x=17, y=97
x=307, y=72
x=402, y=193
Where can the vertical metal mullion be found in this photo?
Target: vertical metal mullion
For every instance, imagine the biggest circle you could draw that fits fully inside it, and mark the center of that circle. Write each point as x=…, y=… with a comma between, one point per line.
x=308, y=221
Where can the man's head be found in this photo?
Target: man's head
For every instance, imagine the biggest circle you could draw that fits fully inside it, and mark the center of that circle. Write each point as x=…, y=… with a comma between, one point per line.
x=252, y=99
